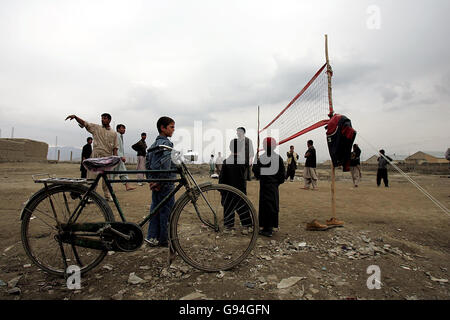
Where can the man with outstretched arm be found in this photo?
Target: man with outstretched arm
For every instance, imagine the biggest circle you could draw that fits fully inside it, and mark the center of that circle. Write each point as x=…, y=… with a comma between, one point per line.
x=105, y=142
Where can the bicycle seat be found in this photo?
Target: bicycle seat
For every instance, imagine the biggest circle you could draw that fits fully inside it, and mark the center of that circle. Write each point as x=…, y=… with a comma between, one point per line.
x=101, y=164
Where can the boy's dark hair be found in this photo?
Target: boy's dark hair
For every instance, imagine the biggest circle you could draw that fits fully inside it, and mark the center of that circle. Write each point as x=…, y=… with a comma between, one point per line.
x=291, y=146
x=310, y=142
x=382, y=151
x=89, y=138
x=107, y=115
x=241, y=128
x=120, y=126
x=164, y=121
x=143, y=134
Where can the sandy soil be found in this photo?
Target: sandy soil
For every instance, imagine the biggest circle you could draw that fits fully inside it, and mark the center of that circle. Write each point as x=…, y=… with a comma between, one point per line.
x=396, y=228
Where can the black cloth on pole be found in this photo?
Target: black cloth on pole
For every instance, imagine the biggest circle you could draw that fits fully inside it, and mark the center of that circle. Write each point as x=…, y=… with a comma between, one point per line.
x=340, y=138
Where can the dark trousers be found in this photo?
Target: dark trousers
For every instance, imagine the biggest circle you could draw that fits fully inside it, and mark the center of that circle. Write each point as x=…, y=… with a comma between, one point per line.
x=158, y=226
x=382, y=174
x=290, y=172
x=83, y=172
x=233, y=204
x=248, y=174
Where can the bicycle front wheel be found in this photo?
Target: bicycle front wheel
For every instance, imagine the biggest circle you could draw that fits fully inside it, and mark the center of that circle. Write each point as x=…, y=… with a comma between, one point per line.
x=215, y=232
x=41, y=226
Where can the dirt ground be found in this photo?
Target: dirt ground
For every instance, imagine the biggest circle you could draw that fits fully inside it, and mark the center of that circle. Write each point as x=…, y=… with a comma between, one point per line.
x=397, y=229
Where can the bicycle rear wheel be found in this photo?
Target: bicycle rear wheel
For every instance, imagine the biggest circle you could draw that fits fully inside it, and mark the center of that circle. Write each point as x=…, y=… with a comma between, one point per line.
x=40, y=228
x=216, y=234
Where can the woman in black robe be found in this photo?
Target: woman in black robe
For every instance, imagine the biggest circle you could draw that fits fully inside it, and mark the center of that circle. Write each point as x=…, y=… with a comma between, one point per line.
x=270, y=172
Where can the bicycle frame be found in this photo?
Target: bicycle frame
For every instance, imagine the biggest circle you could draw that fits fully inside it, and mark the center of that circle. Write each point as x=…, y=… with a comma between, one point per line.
x=182, y=181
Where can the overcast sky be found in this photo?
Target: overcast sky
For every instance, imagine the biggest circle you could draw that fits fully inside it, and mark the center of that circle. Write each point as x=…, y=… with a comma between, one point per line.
x=216, y=61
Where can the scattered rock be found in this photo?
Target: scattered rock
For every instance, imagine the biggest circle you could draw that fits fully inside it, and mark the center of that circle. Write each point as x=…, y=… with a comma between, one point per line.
x=144, y=267
x=314, y=291
x=15, y=291
x=9, y=248
x=250, y=285
x=436, y=279
x=405, y=267
x=220, y=275
x=266, y=258
x=27, y=265
x=134, y=279
x=2, y=283
x=165, y=273
x=108, y=267
x=272, y=277
x=289, y=282
x=13, y=282
x=118, y=295
x=193, y=296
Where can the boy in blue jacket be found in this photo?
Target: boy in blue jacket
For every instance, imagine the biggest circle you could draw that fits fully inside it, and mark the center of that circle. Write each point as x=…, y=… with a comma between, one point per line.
x=160, y=159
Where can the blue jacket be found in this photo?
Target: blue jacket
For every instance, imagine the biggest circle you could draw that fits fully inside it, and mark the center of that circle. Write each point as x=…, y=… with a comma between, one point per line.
x=160, y=160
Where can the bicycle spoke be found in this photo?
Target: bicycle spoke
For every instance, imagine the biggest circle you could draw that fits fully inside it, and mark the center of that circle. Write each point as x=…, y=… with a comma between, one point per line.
x=38, y=235
x=208, y=249
x=77, y=257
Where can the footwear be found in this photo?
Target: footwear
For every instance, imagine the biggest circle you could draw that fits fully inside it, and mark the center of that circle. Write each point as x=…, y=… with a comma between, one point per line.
x=266, y=232
x=152, y=242
x=305, y=188
x=163, y=245
x=140, y=184
x=334, y=222
x=316, y=226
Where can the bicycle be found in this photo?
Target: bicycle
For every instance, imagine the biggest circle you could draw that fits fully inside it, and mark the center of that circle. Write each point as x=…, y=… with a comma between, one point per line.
x=67, y=222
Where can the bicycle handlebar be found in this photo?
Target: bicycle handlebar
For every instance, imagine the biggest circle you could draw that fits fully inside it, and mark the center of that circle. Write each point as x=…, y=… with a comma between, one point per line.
x=161, y=146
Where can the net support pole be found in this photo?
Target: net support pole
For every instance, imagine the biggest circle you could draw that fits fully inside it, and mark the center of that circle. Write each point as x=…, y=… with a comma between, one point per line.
x=330, y=102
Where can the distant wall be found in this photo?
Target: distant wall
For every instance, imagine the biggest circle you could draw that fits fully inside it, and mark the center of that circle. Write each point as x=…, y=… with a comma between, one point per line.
x=22, y=150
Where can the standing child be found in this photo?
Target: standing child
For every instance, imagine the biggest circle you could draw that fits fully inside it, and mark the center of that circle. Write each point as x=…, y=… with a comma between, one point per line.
x=292, y=158
x=309, y=172
x=382, y=172
x=160, y=159
x=233, y=173
x=269, y=170
x=212, y=165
